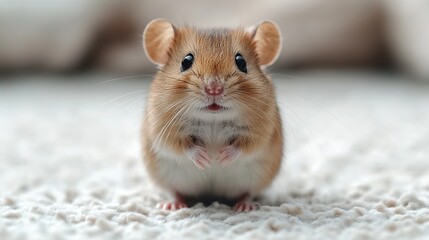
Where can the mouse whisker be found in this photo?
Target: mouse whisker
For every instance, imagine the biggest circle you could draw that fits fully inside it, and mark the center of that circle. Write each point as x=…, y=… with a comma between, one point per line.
x=183, y=80
x=304, y=124
x=323, y=108
x=253, y=111
x=296, y=115
x=161, y=133
x=189, y=106
x=136, y=100
x=126, y=77
x=236, y=83
x=161, y=113
x=121, y=97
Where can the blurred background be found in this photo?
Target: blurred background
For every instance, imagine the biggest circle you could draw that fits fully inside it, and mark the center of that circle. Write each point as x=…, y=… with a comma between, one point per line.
x=105, y=35
x=352, y=83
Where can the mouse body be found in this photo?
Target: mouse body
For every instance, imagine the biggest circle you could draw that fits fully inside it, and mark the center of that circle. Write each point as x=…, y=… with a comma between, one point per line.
x=212, y=125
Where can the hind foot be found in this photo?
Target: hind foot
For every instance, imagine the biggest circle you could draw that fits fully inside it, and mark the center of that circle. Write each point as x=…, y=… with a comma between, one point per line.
x=244, y=206
x=172, y=205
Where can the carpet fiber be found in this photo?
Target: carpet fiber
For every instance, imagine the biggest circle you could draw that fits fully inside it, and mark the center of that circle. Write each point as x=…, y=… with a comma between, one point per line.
x=356, y=164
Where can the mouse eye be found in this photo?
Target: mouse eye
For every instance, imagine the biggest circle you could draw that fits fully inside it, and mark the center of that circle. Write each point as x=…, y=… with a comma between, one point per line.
x=187, y=62
x=241, y=63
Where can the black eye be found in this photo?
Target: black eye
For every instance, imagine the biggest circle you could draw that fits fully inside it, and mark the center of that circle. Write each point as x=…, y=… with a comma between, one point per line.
x=241, y=63
x=187, y=62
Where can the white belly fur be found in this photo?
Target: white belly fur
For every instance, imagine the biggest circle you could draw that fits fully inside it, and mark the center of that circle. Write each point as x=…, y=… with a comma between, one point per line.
x=178, y=173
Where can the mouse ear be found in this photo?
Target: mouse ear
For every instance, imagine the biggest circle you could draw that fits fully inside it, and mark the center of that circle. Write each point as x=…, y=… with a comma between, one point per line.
x=157, y=40
x=267, y=39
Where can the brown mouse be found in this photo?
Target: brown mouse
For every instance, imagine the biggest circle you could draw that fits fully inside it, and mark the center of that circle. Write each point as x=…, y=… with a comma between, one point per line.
x=212, y=125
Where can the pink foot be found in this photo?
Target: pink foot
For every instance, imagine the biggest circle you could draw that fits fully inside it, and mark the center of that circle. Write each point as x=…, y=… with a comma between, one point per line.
x=244, y=206
x=176, y=205
x=227, y=155
x=199, y=156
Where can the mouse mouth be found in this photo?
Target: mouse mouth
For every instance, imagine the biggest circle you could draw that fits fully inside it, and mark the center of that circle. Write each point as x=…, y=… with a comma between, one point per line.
x=214, y=107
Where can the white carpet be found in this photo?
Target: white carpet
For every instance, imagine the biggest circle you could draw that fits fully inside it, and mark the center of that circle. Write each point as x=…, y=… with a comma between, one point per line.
x=356, y=166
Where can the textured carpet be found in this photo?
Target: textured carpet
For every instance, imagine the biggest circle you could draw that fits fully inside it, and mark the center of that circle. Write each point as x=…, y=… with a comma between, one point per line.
x=356, y=165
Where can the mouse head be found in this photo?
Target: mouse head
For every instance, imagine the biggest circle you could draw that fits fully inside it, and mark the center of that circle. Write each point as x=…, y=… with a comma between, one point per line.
x=213, y=71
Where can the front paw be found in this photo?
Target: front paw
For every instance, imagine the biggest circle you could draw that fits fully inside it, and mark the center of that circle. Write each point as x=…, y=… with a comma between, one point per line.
x=227, y=155
x=199, y=156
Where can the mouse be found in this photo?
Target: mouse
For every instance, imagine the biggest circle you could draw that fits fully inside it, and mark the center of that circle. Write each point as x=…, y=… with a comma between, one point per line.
x=212, y=127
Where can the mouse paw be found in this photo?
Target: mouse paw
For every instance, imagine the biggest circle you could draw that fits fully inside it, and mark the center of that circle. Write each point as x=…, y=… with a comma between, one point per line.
x=227, y=155
x=199, y=156
x=176, y=205
x=244, y=206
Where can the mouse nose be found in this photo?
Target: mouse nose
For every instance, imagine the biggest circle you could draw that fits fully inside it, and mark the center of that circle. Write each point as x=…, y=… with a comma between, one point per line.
x=214, y=89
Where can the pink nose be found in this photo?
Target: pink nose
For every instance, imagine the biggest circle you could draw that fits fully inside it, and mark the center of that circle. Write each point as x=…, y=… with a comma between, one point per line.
x=214, y=89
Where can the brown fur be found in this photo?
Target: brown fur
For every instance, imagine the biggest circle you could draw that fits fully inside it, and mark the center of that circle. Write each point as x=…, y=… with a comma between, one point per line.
x=214, y=52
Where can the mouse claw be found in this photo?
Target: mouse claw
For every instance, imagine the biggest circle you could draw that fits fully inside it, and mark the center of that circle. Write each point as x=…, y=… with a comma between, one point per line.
x=176, y=205
x=199, y=156
x=244, y=206
x=227, y=155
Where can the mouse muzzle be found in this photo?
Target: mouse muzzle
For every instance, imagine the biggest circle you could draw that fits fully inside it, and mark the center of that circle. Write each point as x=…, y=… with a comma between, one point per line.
x=214, y=88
